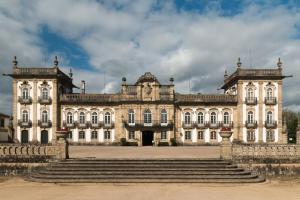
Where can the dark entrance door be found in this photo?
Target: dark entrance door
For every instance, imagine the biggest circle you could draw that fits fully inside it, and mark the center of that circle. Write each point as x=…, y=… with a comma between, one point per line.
x=24, y=136
x=44, y=137
x=147, y=138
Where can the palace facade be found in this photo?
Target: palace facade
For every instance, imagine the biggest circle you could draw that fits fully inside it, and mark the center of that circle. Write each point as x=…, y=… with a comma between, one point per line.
x=147, y=112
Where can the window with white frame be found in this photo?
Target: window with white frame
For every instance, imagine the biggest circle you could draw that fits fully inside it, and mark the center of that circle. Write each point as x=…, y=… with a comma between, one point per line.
x=270, y=135
x=187, y=135
x=94, y=135
x=147, y=117
x=213, y=118
x=81, y=135
x=107, y=118
x=131, y=135
x=250, y=93
x=106, y=135
x=163, y=116
x=213, y=135
x=163, y=135
x=200, y=135
x=44, y=116
x=25, y=93
x=269, y=93
x=187, y=118
x=69, y=118
x=25, y=116
x=250, y=136
x=81, y=118
x=269, y=117
x=226, y=118
x=131, y=116
x=250, y=117
x=45, y=93
x=200, y=118
x=70, y=135
x=94, y=118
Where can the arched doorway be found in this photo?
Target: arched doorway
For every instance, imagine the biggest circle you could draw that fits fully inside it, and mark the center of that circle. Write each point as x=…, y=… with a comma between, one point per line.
x=44, y=136
x=147, y=138
x=24, y=136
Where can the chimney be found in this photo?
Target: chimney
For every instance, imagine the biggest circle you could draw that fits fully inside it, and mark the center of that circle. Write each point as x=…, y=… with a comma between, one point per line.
x=82, y=87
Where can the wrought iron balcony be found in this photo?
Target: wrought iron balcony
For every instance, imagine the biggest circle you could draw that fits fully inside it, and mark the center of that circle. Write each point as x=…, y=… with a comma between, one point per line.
x=188, y=124
x=95, y=125
x=201, y=125
x=25, y=100
x=69, y=125
x=24, y=124
x=227, y=125
x=83, y=124
x=251, y=100
x=153, y=124
x=271, y=124
x=270, y=100
x=251, y=124
x=45, y=101
x=46, y=124
x=109, y=125
x=214, y=125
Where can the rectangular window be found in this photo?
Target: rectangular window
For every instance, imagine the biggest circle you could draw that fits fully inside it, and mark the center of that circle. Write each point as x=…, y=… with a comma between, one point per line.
x=131, y=135
x=81, y=135
x=213, y=135
x=270, y=135
x=187, y=135
x=70, y=135
x=200, y=135
x=163, y=135
x=2, y=123
x=250, y=136
x=106, y=135
x=94, y=135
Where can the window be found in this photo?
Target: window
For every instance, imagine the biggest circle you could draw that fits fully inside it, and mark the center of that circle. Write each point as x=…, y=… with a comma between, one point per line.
x=213, y=118
x=187, y=118
x=44, y=116
x=25, y=93
x=147, y=117
x=250, y=117
x=25, y=116
x=106, y=135
x=250, y=93
x=200, y=135
x=164, y=116
x=131, y=135
x=131, y=116
x=81, y=135
x=2, y=123
x=70, y=135
x=226, y=118
x=269, y=93
x=94, y=118
x=94, y=135
x=107, y=118
x=69, y=118
x=213, y=135
x=163, y=135
x=81, y=118
x=270, y=135
x=269, y=117
x=44, y=93
x=187, y=135
x=200, y=118
x=250, y=136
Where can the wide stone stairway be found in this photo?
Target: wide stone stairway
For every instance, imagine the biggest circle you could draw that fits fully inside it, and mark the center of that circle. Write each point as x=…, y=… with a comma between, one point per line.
x=157, y=170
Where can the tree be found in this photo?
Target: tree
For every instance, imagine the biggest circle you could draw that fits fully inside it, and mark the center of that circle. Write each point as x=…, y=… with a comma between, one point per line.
x=291, y=119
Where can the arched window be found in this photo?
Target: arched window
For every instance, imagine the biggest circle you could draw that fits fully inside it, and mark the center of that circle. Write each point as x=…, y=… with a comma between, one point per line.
x=187, y=118
x=250, y=93
x=226, y=118
x=147, y=117
x=25, y=93
x=81, y=118
x=200, y=118
x=269, y=117
x=94, y=118
x=213, y=135
x=44, y=116
x=163, y=116
x=269, y=93
x=25, y=116
x=250, y=117
x=213, y=118
x=107, y=119
x=69, y=118
x=44, y=93
x=131, y=116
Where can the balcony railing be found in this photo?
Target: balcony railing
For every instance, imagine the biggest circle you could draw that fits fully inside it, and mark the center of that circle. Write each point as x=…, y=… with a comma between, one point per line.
x=270, y=100
x=188, y=124
x=46, y=124
x=251, y=100
x=109, y=125
x=95, y=125
x=251, y=124
x=45, y=100
x=24, y=124
x=200, y=125
x=214, y=125
x=25, y=100
x=83, y=124
x=271, y=124
x=69, y=125
x=153, y=124
x=227, y=125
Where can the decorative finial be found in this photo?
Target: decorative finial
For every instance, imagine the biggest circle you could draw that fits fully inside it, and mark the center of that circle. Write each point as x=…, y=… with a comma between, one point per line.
x=171, y=79
x=239, y=63
x=279, y=63
x=225, y=74
x=70, y=73
x=15, y=62
x=124, y=79
x=55, y=61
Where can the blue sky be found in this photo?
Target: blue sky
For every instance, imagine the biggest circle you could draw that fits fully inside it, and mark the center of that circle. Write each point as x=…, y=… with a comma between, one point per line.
x=193, y=41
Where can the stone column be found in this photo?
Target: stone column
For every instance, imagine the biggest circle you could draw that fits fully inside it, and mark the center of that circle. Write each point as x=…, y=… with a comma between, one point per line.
x=34, y=109
x=226, y=145
x=260, y=112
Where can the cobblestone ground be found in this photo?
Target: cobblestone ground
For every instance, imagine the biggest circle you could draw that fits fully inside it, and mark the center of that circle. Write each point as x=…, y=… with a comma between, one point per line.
x=144, y=152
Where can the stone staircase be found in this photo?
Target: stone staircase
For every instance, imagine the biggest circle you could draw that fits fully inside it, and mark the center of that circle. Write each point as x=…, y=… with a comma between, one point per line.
x=144, y=171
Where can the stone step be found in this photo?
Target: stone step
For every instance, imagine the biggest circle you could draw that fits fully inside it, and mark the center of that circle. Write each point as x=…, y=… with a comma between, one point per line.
x=142, y=165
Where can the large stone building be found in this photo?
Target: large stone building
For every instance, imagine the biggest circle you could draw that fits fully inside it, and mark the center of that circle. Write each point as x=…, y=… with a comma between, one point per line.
x=147, y=112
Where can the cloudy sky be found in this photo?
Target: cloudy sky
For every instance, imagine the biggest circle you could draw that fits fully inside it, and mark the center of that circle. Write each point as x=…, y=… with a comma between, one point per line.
x=194, y=41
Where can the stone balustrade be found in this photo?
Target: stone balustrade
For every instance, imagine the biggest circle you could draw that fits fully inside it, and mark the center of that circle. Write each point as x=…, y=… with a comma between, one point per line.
x=25, y=150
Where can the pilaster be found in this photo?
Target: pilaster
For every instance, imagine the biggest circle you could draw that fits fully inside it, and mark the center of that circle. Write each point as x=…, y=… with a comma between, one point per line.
x=55, y=114
x=34, y=109
x=238, y=127
x=14, y=108
x=260, y=112
x=279, y=104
